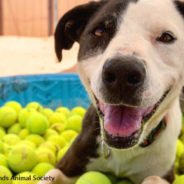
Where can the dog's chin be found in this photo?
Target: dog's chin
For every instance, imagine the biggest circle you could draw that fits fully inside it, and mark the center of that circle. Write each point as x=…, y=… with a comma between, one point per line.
x=124, y=124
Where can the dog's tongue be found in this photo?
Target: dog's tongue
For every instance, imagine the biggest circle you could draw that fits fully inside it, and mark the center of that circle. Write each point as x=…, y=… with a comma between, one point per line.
x=121, y=120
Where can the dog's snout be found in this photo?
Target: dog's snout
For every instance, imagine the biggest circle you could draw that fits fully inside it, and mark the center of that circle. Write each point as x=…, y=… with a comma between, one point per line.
x=123, y=79
x=126, y=71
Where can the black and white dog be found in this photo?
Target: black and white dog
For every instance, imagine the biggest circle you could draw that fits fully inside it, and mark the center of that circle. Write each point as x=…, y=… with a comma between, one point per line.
x=131, y=62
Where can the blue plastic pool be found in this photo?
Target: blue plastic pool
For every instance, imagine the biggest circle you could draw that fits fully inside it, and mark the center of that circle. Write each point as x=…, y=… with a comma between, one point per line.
x=51, y=90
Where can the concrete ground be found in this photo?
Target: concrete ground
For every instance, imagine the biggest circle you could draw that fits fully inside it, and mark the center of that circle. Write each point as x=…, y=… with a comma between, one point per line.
x=23, y=55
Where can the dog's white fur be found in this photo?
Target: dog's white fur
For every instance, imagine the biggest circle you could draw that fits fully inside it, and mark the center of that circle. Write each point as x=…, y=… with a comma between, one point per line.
x=164, y=65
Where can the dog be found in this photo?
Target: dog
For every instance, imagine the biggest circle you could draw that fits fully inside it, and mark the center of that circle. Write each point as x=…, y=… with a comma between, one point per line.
x=131, y=63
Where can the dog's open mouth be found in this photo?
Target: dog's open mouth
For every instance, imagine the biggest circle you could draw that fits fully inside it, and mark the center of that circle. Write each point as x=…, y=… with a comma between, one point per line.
x=123, y=124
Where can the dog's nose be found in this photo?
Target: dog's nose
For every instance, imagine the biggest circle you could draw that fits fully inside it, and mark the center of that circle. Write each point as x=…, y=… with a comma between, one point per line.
x=123, y=75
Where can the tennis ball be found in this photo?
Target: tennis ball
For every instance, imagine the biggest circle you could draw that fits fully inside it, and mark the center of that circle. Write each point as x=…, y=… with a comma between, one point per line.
x=35, y=105
x=58, y=127
x=179, y=180
x=46, y=155
x=6, y=174
x=72, y=114
x=35, y=139
x=47, y=112
x=57, y=117
x=58, y=140
x=63, y=110
x=24, y=115
x=125, y=181
x=3, y=160
x=180, y=149
x=26, y=143
x=11, y=139
x=37, y=124
x=23, y=133
x=7, y=149
x=62, y=152
x=1, y=147
x=42, y=168
x=15, y=105
x=25, y=178
x=22, y=158
x=49, y=132
x=79, y=110
x=74, y=123
x=14, y=129
x=51, y=146
x=8, y=116
x=93, y=177
x=2, y=132
x=68, y=135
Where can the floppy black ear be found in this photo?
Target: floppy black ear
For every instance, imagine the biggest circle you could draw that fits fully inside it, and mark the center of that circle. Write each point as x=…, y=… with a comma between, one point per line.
x=72, y=24
x=180, y=6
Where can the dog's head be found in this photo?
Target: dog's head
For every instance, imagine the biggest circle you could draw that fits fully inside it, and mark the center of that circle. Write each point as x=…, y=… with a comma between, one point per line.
x=131, y=61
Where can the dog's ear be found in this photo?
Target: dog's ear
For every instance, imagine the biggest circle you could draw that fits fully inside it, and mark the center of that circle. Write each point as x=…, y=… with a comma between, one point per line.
x=180, y=6
x=72, y=24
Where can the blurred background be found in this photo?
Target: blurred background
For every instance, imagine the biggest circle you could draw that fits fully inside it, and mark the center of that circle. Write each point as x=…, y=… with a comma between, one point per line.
x=26, y=36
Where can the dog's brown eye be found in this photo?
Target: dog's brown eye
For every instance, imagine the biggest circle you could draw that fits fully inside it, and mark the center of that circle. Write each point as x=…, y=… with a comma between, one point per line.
x=167, y=37
x=99, y=32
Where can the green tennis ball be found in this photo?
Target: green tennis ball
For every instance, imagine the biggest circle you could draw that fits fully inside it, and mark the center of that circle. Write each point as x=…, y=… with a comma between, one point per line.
x=179, y=180
x=2, y=132
x=46, y=155
x=22, y=158
x=74, y=123
x=1, y=147
x=57, y=117
x=68, y=135
x=26, y=143
x=11, y=139
x=62, y=152
x=93, y=177
x=7, y=149
x=37, y=124
x=47, y=112
x=63, y=110
x=25, y=178
x=36, y=139
x=14, y=129
x=23, y=133
x=3, y=160
x=8, y=116
x=5, y=173
x=58, y=140
x=15, y=105
x=49, y=132
x=180, y=149
x=79, y=110
x=24, y=115
x=51, y=146
x=42, y=168
x=58, y=127
x=35, y=105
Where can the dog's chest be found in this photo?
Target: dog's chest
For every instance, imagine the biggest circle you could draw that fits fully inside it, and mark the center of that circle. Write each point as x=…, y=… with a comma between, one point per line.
x=120, y=163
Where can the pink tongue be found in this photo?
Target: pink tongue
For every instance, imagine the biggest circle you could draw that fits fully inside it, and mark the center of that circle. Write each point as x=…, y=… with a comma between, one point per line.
x=123, y=121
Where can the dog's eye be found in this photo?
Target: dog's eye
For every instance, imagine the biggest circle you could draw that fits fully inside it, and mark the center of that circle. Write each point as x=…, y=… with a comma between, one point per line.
x=99, y=32
x=166, y=37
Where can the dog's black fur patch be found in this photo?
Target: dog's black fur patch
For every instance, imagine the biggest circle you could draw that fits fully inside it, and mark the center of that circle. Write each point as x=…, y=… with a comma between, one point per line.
x=84, y=147
x=72, y=24
x=180, y=7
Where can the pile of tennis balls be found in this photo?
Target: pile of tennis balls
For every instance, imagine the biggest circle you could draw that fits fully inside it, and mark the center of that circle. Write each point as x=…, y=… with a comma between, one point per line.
x=33, y=139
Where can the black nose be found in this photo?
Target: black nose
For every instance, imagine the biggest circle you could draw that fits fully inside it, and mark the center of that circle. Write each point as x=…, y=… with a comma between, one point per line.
x=125, y=74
